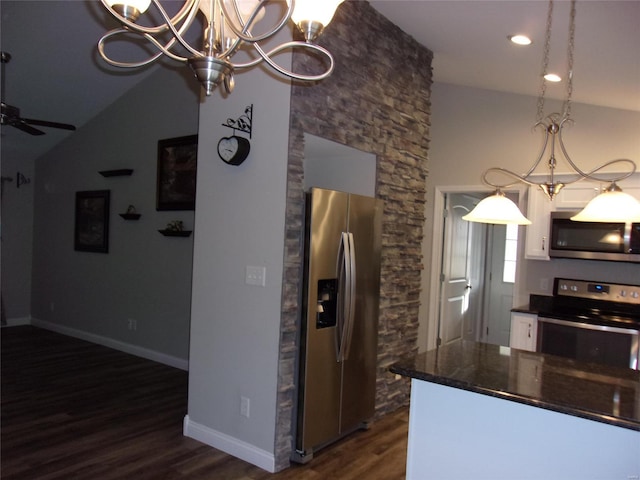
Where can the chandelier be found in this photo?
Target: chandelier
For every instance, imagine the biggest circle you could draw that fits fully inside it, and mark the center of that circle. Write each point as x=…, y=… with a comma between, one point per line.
x=612, y=205
x=228, y=27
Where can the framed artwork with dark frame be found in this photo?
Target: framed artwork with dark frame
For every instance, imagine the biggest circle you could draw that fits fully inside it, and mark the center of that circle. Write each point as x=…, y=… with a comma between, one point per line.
x=176, y=182
x=92, y=221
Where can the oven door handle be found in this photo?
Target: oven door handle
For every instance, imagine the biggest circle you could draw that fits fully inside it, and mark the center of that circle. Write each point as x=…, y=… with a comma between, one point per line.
x=590, y=326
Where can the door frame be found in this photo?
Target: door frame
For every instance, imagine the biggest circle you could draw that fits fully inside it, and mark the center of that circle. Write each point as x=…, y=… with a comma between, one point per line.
x=437, y=253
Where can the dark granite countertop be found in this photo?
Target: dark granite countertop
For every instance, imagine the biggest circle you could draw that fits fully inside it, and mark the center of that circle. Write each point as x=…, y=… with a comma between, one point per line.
x=595, y=392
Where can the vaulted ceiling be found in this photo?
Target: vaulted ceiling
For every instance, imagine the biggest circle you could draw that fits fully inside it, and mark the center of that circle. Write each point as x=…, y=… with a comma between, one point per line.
x=55, y=73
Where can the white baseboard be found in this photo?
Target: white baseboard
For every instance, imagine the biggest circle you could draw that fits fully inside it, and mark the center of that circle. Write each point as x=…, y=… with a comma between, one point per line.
x=153, y=355
x=239, y=449
x=17, y=321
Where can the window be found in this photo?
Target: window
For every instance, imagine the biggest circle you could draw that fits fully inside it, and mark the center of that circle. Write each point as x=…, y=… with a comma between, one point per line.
x=510, y=254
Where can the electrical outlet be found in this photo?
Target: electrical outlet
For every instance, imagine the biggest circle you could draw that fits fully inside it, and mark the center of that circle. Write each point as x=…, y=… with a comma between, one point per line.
x=245, y=405
x=52, y=306
x=255, y=276
x=544, y=284
x=132, y=324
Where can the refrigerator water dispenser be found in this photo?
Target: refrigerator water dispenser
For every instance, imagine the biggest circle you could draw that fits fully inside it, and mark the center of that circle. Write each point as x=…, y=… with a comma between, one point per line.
x=327, y=303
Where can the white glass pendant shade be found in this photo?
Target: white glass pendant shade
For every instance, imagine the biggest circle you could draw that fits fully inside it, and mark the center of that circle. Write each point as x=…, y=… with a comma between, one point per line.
x=140, y=5
x=320, y=11
x=610, y=206
x=497, y=209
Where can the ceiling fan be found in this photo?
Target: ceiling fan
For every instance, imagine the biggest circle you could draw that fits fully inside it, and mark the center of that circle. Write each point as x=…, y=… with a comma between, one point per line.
x=10, y=115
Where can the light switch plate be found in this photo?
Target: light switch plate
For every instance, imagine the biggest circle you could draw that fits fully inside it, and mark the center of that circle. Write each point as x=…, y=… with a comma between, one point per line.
x=255, y=276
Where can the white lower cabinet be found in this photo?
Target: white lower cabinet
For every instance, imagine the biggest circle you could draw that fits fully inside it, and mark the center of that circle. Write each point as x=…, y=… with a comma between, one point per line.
x=524, y=330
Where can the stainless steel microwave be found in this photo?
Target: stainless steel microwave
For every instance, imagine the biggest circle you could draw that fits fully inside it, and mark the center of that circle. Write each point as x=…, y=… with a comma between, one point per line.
x=618, y=242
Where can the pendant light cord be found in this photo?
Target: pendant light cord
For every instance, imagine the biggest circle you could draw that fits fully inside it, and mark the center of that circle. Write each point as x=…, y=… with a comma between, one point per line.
x=566, y=110
x=545, y=63
x=571, y=43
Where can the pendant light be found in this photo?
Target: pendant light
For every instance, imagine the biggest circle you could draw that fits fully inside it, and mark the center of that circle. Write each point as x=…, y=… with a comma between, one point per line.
x=612, y=205
x=497, y=209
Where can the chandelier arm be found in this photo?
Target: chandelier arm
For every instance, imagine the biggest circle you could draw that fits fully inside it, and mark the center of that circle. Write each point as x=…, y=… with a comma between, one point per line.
x=249, y=38
x=190, y=8
x=229, y=52
x=266, y=56
x=186, y=8
x=542, y=150
x=163, y=50
x=115, y=63
x=245, y=25
x=166, y=49
x=589, y=174
x=519, y=178
x=241, y=34
x=177, y=33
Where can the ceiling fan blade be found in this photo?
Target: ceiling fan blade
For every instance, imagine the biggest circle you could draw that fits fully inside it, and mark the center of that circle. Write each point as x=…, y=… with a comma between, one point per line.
x=21, y=125
x=44, y=123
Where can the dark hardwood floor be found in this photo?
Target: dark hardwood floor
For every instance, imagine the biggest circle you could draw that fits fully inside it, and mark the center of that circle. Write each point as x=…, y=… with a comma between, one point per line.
x=75, y=410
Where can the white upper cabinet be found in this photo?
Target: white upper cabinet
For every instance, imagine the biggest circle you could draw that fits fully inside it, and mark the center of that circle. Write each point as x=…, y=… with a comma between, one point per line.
x=577, y=195
x=539, y=209
x=572, y=197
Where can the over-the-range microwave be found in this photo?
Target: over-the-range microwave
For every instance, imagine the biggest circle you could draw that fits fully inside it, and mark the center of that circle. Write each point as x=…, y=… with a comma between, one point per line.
x=618, y=242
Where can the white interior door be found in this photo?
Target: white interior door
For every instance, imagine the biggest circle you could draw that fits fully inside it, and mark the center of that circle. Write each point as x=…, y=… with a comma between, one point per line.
x=457, y=313
x=453, y=313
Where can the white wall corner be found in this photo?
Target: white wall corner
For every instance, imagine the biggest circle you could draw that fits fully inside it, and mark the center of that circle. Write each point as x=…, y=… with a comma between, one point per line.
x=237, y=448
x=153, y=355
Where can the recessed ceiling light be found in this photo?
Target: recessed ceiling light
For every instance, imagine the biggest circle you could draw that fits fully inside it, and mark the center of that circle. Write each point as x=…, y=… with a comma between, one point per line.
x=552, y=77
x=520, y=39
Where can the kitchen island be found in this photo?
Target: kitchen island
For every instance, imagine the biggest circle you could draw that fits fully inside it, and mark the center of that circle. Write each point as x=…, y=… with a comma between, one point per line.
x=481, y=411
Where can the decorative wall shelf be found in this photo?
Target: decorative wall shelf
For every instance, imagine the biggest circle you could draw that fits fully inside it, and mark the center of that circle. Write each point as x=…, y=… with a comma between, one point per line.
x=176, y=233
x=130, y=216
x=116, y=173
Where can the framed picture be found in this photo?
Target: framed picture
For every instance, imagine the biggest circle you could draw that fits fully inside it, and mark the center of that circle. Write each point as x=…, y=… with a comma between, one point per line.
x=92, y=221
x=177, y=163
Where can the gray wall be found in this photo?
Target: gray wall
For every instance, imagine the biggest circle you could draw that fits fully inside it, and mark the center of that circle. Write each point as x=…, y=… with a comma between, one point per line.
x=243, y=337
x=239, y=223
x=145, y=276
x=17, y=239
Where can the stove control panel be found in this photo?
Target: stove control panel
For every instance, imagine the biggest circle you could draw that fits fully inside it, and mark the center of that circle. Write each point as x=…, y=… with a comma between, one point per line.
x=611, y=292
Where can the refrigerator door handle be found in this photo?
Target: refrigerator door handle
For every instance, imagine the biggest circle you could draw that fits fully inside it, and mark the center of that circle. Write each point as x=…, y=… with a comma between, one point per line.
x=343, y=309
x=351, y=297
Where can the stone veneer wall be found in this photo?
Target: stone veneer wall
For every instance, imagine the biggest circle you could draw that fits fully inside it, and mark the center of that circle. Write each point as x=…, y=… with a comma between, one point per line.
x=378, y=101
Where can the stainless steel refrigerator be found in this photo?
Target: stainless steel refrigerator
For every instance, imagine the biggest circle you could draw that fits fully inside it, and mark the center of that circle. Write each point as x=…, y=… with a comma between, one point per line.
x=339, y=327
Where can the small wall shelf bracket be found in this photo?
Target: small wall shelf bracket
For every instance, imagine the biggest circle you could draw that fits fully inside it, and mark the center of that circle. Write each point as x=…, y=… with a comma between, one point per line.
x=243, y=123
x=20, y=180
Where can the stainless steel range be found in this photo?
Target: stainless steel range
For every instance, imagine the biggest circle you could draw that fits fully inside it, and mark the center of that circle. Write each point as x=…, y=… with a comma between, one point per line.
x=591, y=321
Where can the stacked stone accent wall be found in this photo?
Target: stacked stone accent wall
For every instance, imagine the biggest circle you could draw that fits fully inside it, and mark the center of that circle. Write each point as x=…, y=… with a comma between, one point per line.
x=377, y=101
